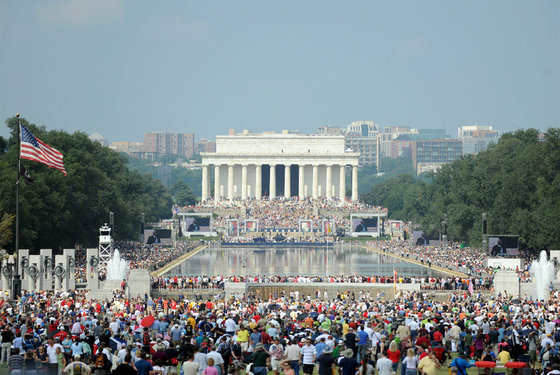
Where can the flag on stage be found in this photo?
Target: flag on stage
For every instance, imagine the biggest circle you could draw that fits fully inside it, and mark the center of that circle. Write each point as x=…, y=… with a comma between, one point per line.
x=33, y=148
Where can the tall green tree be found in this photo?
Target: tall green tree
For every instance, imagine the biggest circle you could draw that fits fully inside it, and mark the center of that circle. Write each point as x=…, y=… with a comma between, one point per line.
x=182, y=194
x=60, y=211
x=516, y=182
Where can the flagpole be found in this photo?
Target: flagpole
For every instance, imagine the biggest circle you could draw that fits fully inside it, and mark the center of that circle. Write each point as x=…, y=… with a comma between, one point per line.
x=16, y=252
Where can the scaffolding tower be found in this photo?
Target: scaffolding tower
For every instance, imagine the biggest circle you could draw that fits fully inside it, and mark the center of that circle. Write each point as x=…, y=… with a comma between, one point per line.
x=105, y=246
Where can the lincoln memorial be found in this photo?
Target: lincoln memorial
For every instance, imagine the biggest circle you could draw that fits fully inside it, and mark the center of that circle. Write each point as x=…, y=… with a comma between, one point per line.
x=274, y=165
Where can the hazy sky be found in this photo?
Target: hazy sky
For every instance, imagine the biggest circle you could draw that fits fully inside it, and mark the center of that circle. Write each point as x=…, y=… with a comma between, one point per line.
x=123, y=68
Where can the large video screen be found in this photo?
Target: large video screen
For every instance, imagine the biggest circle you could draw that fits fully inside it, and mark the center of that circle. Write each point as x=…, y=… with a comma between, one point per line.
x=364, y=224
x=251, y=226
x=233, y=227
x=193, y=224
x=501, y=246
x=155, y=236
x=305, y=226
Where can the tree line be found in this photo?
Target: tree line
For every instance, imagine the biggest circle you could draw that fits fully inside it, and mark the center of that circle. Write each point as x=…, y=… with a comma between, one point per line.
x=516, y=182
x=59, y=211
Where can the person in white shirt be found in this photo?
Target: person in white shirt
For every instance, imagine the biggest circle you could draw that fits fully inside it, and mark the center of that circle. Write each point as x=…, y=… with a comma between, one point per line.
x=201, y=359
x=122, y=353
x=411, y=362
x=51, y=352
x=76, y=328
x=384, y=365
x=218, y=360
x=308, y=355
x=114, y=326
x=230, y=326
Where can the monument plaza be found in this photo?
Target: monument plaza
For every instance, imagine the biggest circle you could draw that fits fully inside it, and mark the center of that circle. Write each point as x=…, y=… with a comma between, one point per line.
x=252, y=166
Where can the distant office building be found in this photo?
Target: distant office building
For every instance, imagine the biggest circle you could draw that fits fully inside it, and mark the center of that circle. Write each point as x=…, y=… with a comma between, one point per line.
x=362, y=129
x=429, y=155
x=205, y=145
x=367, y=147
x=130, y=148
x=330, y=130
x=96, y=137
x=428, y=134
x=170, y=143
x=388, y=134
x=362, y=137
x=400, y=147
x=476, y=138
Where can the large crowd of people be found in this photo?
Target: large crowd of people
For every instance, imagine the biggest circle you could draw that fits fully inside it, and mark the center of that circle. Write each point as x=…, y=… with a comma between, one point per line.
x=65, y=333
x=139, y=256
x=281, y=214
x=217, y=281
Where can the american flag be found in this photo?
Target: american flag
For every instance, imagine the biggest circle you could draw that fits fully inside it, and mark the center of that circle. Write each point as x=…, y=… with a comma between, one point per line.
x=471, y=287
x=33, y=148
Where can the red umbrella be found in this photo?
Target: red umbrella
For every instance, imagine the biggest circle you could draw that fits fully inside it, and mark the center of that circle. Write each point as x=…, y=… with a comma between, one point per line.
x=147, y=321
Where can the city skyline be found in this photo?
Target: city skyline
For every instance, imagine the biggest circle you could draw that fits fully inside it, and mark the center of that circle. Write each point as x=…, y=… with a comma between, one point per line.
x=122, y=68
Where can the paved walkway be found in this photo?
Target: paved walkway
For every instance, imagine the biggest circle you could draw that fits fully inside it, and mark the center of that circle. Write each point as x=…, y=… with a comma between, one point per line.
x=409, y=260
x=169, y=266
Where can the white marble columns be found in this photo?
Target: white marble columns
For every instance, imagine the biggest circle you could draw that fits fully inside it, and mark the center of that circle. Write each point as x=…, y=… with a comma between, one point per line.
x=354, y=182
x=205, y=183
x=217, y=192
x=272, y=184
x=230, y=182
x=342, y=183
x=287, y=181
x=245, y=180
x=301, y=182
x=328, y=190
x=258, y=181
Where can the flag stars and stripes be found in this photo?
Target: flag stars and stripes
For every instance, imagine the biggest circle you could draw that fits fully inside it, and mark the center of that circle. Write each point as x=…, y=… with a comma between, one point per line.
x=32, y=148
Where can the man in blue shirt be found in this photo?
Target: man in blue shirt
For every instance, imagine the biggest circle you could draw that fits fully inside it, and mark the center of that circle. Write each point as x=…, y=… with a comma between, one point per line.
x=462, y=364
x=362, y=343
x=320, y=346
x=143, y=366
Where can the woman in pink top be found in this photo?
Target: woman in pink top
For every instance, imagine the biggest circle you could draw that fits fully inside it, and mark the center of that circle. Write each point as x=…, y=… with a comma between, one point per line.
x=210, y=369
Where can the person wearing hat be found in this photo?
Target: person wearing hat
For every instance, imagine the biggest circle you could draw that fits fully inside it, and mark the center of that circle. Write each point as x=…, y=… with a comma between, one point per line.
x=348, y=364
x=326, y=362
x=77, y=367
x=260, y=359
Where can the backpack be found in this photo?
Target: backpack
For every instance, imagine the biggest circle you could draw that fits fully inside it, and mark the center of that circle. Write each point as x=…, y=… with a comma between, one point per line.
x=146, y=340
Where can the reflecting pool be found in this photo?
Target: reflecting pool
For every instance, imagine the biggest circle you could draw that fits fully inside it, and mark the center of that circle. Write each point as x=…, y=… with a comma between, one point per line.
x=305, y=261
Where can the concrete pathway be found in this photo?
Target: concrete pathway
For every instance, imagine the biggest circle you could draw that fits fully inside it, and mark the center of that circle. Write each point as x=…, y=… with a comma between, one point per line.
x=409, y=260
x=169, y=266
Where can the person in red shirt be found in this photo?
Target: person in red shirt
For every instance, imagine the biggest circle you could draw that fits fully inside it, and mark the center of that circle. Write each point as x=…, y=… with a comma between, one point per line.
x=423, y=340
x=394, y=354
x=438, y=337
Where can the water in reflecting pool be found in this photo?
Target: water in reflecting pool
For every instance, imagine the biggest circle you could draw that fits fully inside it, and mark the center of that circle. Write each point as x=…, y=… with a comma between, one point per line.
x=305, y=261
